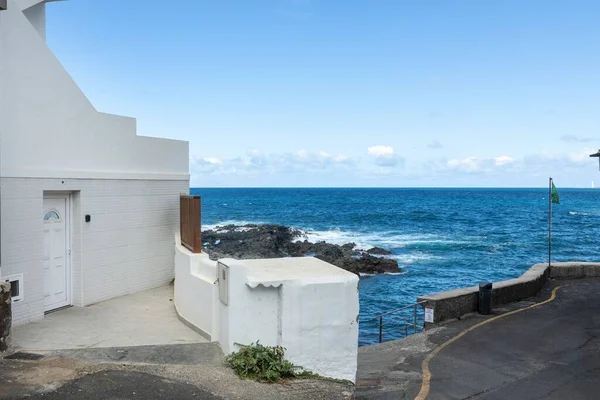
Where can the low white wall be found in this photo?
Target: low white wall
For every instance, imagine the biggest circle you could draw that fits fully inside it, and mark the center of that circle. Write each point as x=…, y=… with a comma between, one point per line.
x=253, y=314
x=306, y=305
x=196, y=291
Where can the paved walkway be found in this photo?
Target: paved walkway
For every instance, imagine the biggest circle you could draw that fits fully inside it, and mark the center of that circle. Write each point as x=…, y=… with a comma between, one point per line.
x=548, y=352
x=133, y=347
x=120, y=385
x=145, y=318
x=180, y=371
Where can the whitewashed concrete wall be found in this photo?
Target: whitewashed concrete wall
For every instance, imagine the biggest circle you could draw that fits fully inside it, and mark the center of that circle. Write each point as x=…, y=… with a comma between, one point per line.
x=196, y=291
x=53, y=139
x=303, y=304
x=48, y=128
x=127, y=246
x=37, y=17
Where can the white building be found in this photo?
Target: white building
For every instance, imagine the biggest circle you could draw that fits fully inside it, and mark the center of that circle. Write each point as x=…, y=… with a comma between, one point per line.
x=89, y=210
x=303, y=304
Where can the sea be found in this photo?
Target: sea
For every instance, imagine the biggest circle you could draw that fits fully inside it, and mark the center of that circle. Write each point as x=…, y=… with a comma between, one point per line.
x=442, y=239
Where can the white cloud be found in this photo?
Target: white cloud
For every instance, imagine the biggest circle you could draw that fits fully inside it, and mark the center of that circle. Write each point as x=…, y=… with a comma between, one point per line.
x=435, y=145
x=479, y=164
x=255, y=162
x=575, y=139
x=383, y=165
x=204, y=165
x=384, y=156
x=381, y=151
x=503, y=160
x=572, y=158
x=342, y=159
x=213, y=160
x=469, y=164
x=319, y=160
x=302, y=154
x=582, y=156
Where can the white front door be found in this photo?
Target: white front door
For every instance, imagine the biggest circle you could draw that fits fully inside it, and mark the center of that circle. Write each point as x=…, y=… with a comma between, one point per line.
x=57, y=280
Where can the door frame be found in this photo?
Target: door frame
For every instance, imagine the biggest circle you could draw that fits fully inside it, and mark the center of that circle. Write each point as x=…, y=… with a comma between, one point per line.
x=68, y=242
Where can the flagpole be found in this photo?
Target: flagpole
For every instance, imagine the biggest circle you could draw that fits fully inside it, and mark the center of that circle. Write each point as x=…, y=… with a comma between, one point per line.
x=549, y=221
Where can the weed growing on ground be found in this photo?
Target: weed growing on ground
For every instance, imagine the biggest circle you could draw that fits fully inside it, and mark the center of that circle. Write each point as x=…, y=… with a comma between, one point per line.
x=264, y=364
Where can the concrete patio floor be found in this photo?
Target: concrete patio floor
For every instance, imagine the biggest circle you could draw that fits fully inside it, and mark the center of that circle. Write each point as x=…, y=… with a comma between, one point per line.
x=145, y=318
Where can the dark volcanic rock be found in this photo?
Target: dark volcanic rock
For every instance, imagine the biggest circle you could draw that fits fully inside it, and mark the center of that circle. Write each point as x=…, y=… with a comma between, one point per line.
x=248, y=241
x=273, y=241
x=368, y=264
x=379, y=251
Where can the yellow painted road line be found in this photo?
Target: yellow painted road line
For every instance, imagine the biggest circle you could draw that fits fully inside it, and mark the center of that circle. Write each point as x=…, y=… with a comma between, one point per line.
x=425, y=384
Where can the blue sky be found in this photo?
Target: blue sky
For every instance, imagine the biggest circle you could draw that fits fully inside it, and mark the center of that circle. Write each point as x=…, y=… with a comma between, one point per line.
x=349, y=93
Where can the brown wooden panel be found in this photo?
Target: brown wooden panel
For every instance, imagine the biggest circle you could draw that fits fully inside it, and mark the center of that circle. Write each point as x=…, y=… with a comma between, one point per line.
x=190, y=222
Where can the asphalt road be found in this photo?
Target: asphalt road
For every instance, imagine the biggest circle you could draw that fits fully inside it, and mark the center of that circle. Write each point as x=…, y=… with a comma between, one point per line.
x=548, y=352
x=121, y=385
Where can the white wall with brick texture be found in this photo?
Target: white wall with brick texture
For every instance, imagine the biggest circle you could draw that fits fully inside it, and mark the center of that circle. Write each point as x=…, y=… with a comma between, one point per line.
x=127, y=246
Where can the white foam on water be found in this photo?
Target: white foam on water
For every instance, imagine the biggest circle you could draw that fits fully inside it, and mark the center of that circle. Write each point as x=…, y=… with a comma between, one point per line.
x=387, y=240
x=339, y=237
x=412, y=258
x=238, y=223
x=585, y=214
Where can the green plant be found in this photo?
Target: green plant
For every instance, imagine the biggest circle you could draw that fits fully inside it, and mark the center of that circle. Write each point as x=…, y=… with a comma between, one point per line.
x=264, y=364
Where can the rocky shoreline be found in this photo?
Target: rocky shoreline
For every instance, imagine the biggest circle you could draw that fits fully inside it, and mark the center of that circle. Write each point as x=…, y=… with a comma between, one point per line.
x=274, y=241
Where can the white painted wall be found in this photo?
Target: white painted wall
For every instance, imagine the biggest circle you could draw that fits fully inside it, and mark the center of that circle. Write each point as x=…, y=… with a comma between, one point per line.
x=37, y=17
x=128, y=246
x=53, y=139
x=303, y=304
x=48, y=128
x=196, y=290
x=25, y=4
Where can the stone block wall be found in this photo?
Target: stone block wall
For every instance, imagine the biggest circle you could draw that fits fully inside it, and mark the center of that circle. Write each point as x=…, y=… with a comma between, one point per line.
x=5, y=316
x=454, y=304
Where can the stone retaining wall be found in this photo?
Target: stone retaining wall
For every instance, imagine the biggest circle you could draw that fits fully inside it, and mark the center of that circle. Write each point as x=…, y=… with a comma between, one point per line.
x=454, y=304
x=575, y=270
x=5, y=316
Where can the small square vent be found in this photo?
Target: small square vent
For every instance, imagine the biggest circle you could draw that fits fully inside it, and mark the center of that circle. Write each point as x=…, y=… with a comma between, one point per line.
x=16, y=286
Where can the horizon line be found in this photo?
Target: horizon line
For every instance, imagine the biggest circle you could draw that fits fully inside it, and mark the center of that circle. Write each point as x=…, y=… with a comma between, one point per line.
x=385, y=187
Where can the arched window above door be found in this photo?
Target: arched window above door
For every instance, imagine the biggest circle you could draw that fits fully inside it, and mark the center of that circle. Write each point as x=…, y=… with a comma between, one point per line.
x=52, y=216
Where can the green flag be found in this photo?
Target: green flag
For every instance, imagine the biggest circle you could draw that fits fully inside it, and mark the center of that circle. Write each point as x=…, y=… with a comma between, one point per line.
x=554, y=196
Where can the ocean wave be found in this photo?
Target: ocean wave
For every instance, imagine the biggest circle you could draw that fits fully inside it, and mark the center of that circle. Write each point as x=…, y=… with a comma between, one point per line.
x=585, y=214
x=387, y=240
x=412, y=258
x=366, y=274
x=366, y=240
x=339, y=237
x=239, y=223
